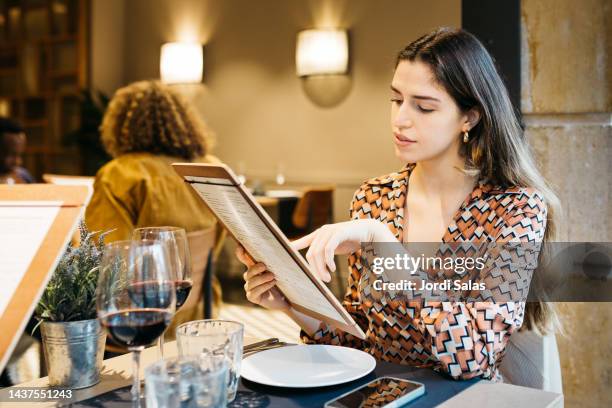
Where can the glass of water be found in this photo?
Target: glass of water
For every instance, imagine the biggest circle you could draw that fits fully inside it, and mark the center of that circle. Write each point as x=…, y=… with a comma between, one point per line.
x=187, y=382
x=214, y=338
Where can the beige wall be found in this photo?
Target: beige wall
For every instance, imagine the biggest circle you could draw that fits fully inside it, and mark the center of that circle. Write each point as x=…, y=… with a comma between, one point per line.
x=567, y=101
x=107, y=39
x=251, y=97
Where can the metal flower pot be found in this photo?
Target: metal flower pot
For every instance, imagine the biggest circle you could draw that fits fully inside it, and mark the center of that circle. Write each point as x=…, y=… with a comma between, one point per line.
x=73, y=352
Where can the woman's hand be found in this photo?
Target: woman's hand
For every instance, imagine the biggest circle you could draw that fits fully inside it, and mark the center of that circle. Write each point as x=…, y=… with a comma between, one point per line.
x=261, y=289
x=340, y=239
x=260, y=286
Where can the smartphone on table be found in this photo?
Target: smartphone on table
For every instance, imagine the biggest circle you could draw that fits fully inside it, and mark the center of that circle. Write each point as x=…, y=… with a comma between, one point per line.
x=384, y=392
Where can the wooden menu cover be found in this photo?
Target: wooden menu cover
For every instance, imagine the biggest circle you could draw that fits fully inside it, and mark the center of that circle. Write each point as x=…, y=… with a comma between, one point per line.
x=251, y=226
x=71, y=201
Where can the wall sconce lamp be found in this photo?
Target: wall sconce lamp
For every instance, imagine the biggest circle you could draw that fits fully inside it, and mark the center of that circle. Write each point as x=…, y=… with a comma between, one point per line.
x=181, y=63
x=321, y=52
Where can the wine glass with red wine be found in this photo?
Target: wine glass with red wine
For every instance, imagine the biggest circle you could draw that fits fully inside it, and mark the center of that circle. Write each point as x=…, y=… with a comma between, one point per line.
x=136, y=298
x=176, y=239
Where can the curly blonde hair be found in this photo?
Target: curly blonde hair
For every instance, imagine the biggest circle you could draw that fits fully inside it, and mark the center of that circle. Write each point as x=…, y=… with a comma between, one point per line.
x=148, y=116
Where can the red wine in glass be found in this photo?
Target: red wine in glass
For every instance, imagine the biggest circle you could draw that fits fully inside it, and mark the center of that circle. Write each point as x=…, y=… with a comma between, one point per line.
x=183, y=287
x=136, y=327
x=147, y=294
x=136, y=296
x=151, y=294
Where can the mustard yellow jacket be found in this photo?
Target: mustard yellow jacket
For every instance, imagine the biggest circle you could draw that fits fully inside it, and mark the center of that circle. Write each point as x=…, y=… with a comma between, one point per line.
x=143, y=190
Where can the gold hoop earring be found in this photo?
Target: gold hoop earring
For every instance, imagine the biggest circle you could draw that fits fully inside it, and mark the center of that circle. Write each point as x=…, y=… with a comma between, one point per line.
x=466, y=137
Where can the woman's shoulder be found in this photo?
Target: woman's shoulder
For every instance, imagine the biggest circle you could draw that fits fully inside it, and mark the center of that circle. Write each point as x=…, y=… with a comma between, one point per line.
x=524, y=198
x=385, y=182
x=400, y=176
x=512, y=213
x=377, y=194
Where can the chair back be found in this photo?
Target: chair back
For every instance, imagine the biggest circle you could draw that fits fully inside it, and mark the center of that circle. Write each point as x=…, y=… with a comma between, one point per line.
x=201, y=244
x=532, y=360
x=314, y=209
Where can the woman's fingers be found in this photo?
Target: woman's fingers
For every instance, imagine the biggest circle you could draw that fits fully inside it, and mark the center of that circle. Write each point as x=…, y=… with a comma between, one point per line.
x=329, y=248
x=240, y=253
x=322, y=245
x=309, y=241
x=243, y=256
x=316, y=252
x=329, y=252
x=254, y=270
x=254, y=295
x=304, y=241
x=258, y=280
x=326, y=235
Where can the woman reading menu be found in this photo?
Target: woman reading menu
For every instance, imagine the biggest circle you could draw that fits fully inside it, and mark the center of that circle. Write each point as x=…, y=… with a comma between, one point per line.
x=469, y=176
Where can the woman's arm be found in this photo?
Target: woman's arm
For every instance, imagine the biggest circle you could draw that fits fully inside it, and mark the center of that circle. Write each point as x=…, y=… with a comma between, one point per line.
x=341, y=238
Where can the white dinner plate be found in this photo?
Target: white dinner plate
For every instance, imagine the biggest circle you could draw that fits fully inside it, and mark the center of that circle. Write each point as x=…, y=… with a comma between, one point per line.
x=308, y=366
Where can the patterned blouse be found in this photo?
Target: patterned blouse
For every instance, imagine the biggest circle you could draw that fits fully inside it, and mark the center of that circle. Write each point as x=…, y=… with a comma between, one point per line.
x=461, y=339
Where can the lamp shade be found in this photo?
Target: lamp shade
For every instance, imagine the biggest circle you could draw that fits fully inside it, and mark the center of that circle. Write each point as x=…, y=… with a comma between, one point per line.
x=321, y=52
x=181, y=63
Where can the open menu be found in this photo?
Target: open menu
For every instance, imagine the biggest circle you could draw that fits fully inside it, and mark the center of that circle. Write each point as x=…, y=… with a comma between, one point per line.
x=23, y=229
x=251, y=226
x=36, y=223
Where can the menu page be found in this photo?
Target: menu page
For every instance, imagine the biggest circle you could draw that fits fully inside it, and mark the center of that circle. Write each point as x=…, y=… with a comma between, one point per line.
x=239, y=217
x=23, y=226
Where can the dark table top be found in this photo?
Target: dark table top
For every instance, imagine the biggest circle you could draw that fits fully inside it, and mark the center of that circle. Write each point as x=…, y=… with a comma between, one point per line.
x=438, y=389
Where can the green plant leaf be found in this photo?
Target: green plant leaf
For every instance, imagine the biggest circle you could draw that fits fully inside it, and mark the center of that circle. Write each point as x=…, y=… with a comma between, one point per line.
x=70, y=294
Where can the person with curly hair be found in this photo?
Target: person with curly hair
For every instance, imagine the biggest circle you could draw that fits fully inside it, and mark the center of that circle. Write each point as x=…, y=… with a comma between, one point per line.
x=147, y=127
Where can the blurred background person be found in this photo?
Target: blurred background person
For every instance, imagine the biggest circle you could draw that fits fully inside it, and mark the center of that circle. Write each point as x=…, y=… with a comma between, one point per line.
x=147, y=127
x=12, y=147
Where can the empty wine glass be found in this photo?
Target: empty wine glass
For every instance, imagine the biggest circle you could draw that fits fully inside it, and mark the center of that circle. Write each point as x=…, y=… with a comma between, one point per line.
x=180, y=261
x=135, y=297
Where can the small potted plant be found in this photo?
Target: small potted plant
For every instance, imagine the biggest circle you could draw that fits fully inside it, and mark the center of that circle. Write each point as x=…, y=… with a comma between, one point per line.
x=73, y=341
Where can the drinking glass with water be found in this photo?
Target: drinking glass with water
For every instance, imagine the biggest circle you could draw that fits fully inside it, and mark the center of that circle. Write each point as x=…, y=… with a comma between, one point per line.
x=187, y=382
x=214, y=338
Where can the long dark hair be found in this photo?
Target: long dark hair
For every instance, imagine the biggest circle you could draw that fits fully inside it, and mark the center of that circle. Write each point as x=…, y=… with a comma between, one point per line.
x=497, y=150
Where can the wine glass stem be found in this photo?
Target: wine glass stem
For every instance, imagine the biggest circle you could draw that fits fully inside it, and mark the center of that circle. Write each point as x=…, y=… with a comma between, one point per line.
x=160, y=343
x=136, y=378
